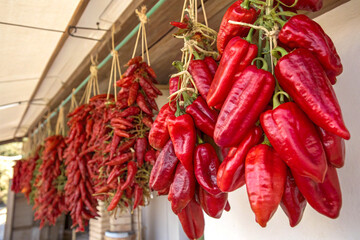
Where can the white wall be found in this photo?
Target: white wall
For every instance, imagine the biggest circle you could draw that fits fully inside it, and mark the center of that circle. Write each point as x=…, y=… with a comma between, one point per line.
x=343, y=26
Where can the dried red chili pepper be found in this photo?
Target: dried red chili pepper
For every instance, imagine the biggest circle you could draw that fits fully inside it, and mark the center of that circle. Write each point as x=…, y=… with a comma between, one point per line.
x=162, y=174
x=302, y=32
x=159, y=133
x=121, y=159
x=324, y=197
x=206, y=164
x=295, y=138
x=231, y=172
x=182, y=189
x=150, y=156
x=140, y=148
x=192, y=220
x=138, y=196
x=130, y=177
x=115, y=200
x=237, y=12
x=180, y=25
x=183, y=135
x=126, y=145
x=265, y=176
x=212, y=205
x=141, y=102
x=237, y=56
x=311, y=90
x=147, y=121
x=248, y=98
x=131, y=111
x=133, y=93
x=293, y=202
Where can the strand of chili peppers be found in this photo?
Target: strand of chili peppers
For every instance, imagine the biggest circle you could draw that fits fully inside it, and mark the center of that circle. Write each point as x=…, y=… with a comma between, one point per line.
x=49, y=202
x=79, y=190
x=123, y=163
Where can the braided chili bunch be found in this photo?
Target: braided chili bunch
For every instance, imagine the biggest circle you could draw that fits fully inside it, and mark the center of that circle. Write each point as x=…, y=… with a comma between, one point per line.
x=49, y=202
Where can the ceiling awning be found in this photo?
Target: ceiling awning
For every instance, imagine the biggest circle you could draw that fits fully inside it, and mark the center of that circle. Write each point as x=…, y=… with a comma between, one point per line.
x=31, y=34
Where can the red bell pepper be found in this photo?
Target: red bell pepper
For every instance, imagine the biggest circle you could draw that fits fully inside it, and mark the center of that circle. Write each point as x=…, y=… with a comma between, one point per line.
x=239, y=13
x=311, y=90
x=302, y=32
x=334, y=147
x=183, y=135
x=265, y=176
x=212, y=205
x=182, y=189
x=308, y=5
x=162, y=174
x=323, y=197
x=159, y=134
x=237, y=56
x=206, y=165
x=249, y=96
x=293, y=202
x=212, y=65
x=204, y=117
x=295, y=138
x=231, y=173
x=192, y=220
x=201, y=75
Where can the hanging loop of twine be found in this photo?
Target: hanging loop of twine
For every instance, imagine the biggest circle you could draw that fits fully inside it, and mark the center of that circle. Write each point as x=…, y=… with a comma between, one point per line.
x=115, y=66
x=142, y=31
x=60, y=123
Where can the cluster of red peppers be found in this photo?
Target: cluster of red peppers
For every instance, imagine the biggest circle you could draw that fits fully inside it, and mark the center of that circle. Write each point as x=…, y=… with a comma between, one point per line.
x=186, y=167
x=283, y=126
x=274, y=115
x=124, y=158
x=49, y=202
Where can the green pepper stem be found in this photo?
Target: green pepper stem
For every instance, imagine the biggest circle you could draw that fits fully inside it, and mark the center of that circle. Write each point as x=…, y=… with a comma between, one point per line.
x=289, y=6
x=265, y=65
x=178, y=65
x=199, y=139
x=196, y=55
x=280, y=21
x=249, y=36
x=281, y=50
x=245, y=4
x=276, y=101
x=266, y=141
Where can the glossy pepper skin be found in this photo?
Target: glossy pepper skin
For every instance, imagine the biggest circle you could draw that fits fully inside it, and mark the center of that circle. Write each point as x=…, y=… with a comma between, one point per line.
x=265, y=175
x=212, y=65
x=206, y=164
x=308, y=5
x=293, y=202
x=183, y=135
x=159, y=134
x=202, y=76
x=324, y=197
x=212, y=205
x=192, y=220
x=302, y=32
x=227, y=30
x=249, y=96
x=231, y=173
x=162, y=174
x=204, y=117
x=295, y=138
x=311, y=90
x=182, y=189
x=334, y=147
x=237, y=56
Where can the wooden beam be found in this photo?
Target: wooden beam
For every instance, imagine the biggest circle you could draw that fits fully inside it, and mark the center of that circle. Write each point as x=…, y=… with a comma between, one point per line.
x=73, y=21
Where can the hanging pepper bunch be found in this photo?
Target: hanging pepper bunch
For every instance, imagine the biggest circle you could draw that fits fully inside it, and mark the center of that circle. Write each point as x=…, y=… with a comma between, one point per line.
x=18, y=174
x=79, y=191
x=23, y=174
x=124, y=161
x=187, y=165
x=49, y=199
x=279, y=113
